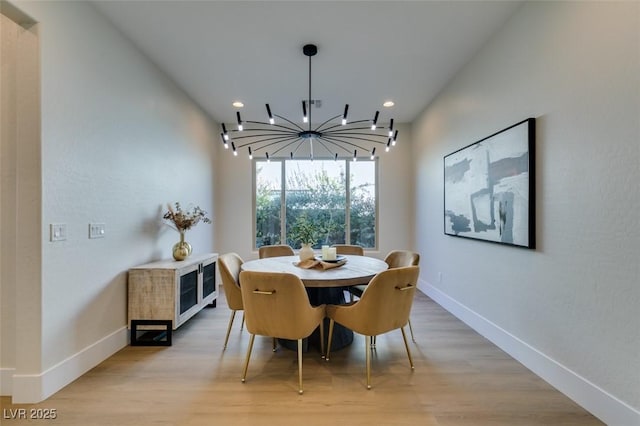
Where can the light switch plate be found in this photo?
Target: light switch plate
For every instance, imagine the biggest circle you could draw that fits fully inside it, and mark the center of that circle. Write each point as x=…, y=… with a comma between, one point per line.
x=58, y=232
x=96, y=230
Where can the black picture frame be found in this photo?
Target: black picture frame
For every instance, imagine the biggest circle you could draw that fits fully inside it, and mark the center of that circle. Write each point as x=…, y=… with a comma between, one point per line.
x=489, y=188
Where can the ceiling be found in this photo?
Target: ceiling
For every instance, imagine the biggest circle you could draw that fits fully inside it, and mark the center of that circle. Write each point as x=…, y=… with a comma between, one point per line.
x=368, y=51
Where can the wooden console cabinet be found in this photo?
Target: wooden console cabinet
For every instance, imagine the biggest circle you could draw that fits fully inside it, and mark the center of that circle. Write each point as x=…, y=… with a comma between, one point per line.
x=171, y=290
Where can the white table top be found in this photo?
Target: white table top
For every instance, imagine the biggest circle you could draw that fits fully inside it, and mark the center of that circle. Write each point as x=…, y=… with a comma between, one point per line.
x=357, y=270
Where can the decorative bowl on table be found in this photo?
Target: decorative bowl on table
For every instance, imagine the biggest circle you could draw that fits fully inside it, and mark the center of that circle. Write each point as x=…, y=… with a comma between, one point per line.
x=339, y=258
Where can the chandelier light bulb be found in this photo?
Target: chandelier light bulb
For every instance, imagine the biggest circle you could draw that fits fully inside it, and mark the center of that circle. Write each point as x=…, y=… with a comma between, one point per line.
x=239, y=121
x=271, y=120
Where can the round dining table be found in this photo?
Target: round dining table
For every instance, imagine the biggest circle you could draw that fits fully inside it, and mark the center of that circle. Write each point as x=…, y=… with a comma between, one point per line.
x=356, y=270
x=324, y=286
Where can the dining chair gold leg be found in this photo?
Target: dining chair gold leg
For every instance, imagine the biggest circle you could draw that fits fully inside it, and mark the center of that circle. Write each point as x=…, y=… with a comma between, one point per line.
x=246, y=362
x=413, y=339
x=406, y=345
x=300, y=366
x=373, y=342
x=226, y=339
x=322, y=339
x=275, y=344
x=242, y=323
x=329, y=339
x=367, y=341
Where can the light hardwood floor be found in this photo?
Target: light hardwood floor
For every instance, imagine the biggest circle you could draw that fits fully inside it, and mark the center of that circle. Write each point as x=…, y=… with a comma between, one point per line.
x=459, y=379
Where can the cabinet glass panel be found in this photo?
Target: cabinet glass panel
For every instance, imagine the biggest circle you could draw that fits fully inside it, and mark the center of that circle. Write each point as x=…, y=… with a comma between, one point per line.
x=209, y=279
x=188, y=291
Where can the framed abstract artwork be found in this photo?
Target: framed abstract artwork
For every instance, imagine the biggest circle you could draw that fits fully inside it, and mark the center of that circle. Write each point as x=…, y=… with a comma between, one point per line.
x=489, y=188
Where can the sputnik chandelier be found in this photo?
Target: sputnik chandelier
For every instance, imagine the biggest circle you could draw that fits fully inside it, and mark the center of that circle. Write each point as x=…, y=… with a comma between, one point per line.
x=336, y=135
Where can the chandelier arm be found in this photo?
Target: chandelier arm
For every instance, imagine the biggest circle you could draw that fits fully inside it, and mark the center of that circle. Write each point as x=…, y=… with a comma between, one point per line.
x=346, y=126
x=337, y=126
x=275, y=139
x=260, y=135
x=262, y=123
x=321, y=142
x=289, y=121
x=350, y=134
x=298, y=146
x=287, y=145
x=359, y=121
x=345, y=139
x=317, y=129
x=335, y=141
x=285, y=141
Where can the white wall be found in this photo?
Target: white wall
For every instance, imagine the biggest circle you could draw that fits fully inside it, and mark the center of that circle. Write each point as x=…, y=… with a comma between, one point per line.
x=20, y=193
x=569, y=309
x=119, y=141
x=235, y=194
x=9, y=36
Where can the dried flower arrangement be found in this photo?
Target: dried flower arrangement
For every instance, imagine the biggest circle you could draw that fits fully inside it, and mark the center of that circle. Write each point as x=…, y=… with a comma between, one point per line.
x=185, y=220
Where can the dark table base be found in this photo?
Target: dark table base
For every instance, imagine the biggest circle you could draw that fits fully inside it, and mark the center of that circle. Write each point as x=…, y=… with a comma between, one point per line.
x=342, y=336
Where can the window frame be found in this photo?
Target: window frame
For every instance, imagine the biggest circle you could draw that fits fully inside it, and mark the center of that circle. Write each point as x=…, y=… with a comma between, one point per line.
x=283, y=206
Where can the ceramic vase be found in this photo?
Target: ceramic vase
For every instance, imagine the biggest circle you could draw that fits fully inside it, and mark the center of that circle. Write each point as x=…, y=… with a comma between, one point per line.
x=306, y=252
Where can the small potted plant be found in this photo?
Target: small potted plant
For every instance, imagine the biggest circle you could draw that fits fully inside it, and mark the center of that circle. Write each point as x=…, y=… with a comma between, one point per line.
x=304, y=232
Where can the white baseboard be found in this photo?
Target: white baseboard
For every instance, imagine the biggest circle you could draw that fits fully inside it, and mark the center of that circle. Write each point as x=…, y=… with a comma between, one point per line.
x=34, y=388
x=6, y=381
x=597, y=401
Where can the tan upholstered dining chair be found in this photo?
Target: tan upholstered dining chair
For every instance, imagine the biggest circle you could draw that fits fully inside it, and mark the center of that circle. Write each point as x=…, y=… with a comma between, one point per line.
x=384, y=306
x=229, y=265
x=395, y=259
x=349, y=249
x=275, y=251
x=277, y=305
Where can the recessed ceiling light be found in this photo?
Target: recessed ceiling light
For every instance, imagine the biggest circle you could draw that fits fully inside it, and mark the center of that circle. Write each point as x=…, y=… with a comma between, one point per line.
x=388, y=104
x=238, y=104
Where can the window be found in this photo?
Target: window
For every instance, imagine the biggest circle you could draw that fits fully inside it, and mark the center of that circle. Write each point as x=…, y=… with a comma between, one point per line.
x=338, y=197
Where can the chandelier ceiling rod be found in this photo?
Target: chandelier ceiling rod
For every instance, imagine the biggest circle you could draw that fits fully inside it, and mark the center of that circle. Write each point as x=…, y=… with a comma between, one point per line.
x=262, y=135
x=309, y=50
